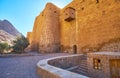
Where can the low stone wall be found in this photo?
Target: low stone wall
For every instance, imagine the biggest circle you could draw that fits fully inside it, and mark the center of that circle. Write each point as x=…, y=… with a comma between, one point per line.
x=18, y=55
x=49, y=68
x=66, y=62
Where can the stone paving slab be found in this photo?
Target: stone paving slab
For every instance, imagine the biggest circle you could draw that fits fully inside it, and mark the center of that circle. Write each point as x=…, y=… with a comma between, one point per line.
x=22, y=67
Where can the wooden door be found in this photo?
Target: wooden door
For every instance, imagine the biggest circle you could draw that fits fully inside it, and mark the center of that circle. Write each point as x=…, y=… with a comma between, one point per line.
x=115, y=68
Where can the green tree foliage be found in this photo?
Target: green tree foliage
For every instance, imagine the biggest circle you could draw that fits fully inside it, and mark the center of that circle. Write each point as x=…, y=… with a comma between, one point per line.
x=20, y=44
x=4, y=47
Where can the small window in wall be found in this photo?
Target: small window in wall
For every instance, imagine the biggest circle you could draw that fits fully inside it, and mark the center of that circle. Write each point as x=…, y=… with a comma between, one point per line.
x=96, y=63
x=55, y=11
x=82, y=8
x=97, y=1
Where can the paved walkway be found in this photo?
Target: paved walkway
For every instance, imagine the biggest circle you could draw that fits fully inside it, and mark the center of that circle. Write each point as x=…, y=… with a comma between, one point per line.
x=22, y=67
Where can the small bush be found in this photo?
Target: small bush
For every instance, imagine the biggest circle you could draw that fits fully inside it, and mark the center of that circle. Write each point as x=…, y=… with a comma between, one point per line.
x=20, y=44
x=4, y=47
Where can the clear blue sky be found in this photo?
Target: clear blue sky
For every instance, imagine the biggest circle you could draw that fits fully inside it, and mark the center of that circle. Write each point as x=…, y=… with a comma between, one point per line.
x=22, y=13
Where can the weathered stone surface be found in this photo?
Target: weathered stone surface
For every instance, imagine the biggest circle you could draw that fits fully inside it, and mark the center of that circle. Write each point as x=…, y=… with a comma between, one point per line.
x=49, y=37
x=46, y=36
x=105, y=59
x=29, y=37
x=86, y=24
x=95, y=23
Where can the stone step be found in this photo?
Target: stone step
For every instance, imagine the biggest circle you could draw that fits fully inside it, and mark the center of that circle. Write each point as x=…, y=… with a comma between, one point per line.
x=84, y=58
x=81, y=72
x=83, y=62
x=82, y=69
x=85, y=55
x=72, y=68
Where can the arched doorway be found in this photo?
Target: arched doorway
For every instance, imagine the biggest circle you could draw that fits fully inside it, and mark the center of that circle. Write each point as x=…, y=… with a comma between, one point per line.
x=74, y=49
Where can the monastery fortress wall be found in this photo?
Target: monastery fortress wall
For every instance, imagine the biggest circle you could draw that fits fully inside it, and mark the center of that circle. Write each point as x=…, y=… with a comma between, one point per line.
x=82, y=26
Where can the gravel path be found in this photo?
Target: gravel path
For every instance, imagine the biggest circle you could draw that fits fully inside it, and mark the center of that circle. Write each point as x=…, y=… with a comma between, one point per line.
x=22, y=67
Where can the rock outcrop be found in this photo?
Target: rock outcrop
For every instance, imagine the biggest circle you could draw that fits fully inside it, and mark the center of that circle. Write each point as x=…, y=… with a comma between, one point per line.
x=82, y=26
x=9, y=28
x=8, y=32
x=6, y=37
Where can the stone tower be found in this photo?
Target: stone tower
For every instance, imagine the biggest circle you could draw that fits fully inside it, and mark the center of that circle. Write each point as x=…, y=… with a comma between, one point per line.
x=50, y=30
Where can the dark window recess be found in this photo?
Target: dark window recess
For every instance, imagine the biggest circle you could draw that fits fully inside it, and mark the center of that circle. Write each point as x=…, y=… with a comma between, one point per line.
x=96, y=63
x=82, y=8
x=55, y=11
x=69, y=19
x=97, y=1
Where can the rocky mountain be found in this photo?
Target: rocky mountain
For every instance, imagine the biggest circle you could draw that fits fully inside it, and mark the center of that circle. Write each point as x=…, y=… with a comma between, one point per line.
x=9, y=28
x=8, y=32
x=6, y=37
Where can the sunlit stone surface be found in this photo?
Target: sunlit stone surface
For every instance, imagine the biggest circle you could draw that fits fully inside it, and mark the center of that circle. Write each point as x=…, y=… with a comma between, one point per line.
x=88, y=25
